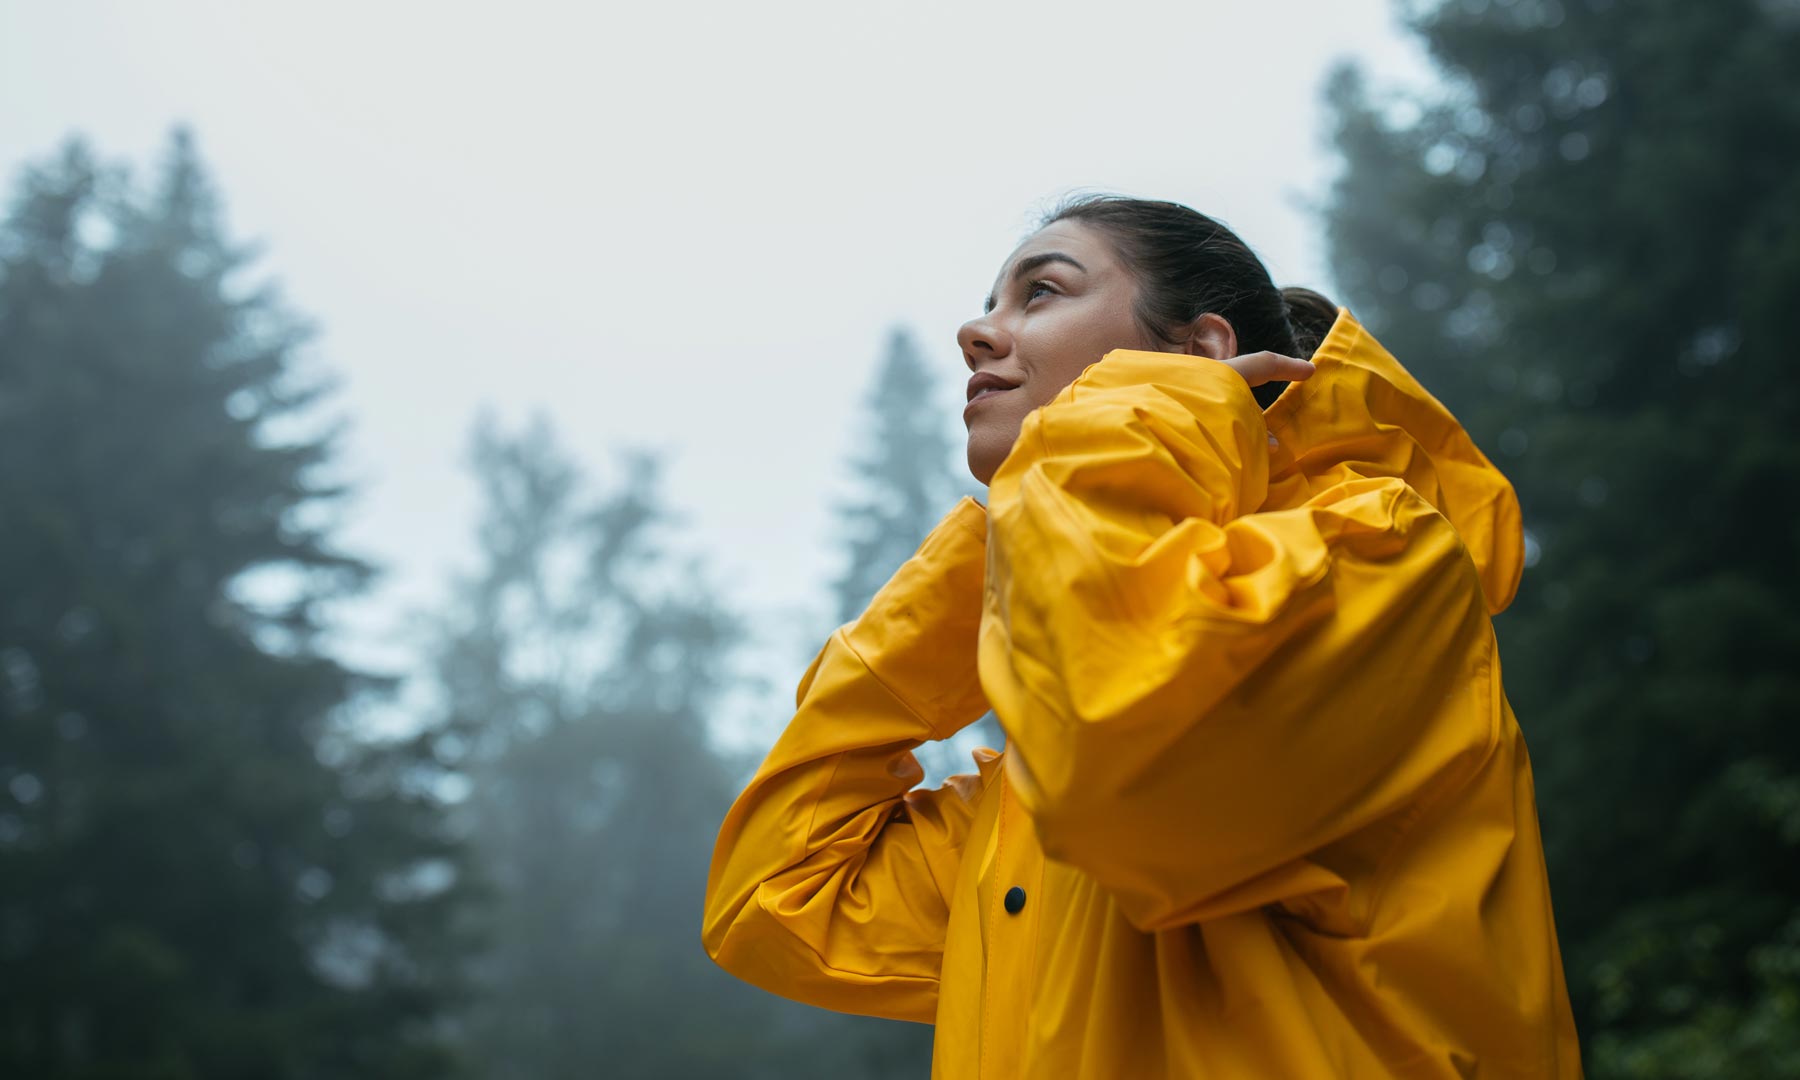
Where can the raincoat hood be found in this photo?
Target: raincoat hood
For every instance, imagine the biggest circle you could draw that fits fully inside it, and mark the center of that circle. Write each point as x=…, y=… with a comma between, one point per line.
x=1363, y=414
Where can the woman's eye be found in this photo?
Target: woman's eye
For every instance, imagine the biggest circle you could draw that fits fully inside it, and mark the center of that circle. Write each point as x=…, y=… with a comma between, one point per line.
x=1033, y=288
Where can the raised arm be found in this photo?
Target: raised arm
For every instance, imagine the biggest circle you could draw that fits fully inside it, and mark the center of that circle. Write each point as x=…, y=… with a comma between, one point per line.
x=1199, y=695
x=830, y=878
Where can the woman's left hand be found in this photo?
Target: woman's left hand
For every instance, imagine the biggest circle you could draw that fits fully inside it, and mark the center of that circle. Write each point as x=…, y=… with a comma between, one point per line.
x=1258, y=368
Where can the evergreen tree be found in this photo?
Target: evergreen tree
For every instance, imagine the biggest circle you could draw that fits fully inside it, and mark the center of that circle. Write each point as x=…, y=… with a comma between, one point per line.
x=907, y=480
x=579, y=665
x=202, y=872
x=903, y=472
x=1589, y=245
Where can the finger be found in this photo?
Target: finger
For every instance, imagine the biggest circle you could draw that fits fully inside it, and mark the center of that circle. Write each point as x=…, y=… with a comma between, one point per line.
x=1266, y=367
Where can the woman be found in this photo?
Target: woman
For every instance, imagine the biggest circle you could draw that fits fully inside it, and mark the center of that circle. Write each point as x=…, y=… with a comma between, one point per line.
x=1263, y=809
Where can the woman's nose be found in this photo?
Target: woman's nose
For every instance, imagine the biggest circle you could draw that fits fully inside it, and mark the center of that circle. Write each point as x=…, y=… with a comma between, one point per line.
x=980, y=338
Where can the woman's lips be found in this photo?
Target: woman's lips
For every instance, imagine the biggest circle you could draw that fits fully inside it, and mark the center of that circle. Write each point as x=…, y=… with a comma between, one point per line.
x=985, y=395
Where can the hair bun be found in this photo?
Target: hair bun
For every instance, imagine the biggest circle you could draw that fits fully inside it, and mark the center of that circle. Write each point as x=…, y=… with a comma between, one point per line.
x=1310, y=314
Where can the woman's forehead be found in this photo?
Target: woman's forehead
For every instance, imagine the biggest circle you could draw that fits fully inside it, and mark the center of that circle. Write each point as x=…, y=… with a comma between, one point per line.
x=1069, y=237
x=1056, y=236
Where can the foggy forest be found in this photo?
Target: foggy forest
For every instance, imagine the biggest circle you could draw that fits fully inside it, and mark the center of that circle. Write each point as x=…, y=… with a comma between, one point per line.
x=213, y=864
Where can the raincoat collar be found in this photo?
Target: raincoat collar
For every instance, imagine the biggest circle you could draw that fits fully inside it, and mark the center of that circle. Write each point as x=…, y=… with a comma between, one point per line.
x=1362, y=414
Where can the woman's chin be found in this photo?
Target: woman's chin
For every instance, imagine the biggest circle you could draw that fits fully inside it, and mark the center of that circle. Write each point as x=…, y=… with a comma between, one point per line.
x=985, y=455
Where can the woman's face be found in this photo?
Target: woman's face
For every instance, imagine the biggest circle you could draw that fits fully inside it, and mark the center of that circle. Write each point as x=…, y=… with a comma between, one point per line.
x=1061, y=302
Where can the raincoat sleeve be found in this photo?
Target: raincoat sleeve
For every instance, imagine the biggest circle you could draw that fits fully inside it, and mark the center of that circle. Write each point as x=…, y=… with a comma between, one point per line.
x=1201, y=697
x=830, y=878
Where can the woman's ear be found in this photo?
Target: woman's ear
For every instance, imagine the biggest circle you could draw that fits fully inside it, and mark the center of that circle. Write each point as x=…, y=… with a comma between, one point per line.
x=1211, y=336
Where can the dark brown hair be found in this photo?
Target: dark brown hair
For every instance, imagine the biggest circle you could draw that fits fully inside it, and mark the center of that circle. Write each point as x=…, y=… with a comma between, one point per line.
x=1186, y=265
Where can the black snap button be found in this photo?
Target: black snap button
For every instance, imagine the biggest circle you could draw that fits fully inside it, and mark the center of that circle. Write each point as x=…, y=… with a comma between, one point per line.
x=1015, y=899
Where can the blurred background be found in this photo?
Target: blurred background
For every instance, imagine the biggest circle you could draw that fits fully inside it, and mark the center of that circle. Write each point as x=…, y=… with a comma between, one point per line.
x=435, y=438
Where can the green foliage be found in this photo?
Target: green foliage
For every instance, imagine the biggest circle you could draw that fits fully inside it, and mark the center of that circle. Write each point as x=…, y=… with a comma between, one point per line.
x=201, y=874
x=1589, y=246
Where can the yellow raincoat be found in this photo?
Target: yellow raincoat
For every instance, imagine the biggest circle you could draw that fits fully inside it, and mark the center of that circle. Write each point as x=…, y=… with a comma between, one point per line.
x=1264, y=811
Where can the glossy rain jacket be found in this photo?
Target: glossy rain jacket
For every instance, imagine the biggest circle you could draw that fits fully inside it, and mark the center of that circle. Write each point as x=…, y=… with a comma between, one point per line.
x=1263, y=811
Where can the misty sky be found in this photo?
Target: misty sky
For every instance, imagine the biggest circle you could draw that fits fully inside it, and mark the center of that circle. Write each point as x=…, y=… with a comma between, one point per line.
x=688, y=227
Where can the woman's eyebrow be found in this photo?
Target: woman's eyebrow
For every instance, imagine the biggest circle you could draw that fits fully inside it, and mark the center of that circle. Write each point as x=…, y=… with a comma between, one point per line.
x=1027, y=265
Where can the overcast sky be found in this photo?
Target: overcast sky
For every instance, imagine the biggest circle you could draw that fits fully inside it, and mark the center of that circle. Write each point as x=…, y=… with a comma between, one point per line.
x=687, y=226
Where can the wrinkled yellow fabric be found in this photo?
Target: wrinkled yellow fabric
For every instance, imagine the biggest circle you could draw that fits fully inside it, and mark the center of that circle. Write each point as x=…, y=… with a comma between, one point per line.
x=1270, y=811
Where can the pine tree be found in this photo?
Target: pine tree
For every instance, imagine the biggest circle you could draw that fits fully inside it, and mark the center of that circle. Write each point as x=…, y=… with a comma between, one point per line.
x=904, y=476
x=579, y=665
x=906, y=482
x=203, y=873
x=1589, y=245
